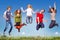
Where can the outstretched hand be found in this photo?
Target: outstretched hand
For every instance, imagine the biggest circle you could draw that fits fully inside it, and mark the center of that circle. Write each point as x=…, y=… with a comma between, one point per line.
x=21, y=8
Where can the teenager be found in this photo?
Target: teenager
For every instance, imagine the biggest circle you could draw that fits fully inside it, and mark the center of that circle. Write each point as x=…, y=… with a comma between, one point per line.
x=29, y=12
x=7, y=15
x=18, y=20
x=52, y=11
x=40, y=19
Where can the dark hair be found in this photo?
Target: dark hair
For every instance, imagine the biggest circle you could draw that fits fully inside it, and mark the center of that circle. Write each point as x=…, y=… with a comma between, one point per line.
x=8, y=7
x=16, y=12
x=44, y=10
x=53, y=9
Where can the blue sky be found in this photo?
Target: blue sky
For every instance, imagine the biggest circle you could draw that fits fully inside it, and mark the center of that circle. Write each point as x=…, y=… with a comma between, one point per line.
x=30, y=29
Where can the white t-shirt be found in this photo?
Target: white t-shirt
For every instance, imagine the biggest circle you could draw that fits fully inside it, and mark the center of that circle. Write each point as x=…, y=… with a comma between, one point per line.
x=29, y=11
x=53, y=16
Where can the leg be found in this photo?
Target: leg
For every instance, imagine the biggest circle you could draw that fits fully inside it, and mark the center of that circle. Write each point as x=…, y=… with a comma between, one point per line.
x=6, y=27
x=27, y=19
x=56, y=24
x=11, y=27
x=51, y=24
x=37, y=27
x=42, y=25
x=31, y=19
x=18, y=30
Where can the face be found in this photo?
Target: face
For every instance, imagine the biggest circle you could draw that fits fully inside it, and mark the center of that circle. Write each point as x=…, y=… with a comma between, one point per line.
x=51, y=10
x=18, y=11
x=42, y=11
x=29, y=6
x=9, y=9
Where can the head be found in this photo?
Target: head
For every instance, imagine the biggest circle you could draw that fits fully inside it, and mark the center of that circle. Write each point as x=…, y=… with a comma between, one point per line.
x=51, y=10
x=42, y=11
x=18, y=12
x=29, y=6
x=8, y=8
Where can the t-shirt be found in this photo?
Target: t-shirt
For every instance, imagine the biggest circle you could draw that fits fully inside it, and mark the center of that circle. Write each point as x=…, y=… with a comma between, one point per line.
x=40, y=15
x=29, y=11
x=18, y=18
x=53, y=16
x=7, y=14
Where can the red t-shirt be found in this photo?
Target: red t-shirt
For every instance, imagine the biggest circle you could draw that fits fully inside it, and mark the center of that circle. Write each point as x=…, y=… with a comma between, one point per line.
x=40, y=17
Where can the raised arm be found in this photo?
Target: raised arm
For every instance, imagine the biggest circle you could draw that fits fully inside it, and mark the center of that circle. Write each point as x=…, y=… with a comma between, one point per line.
x=23, y=9
x=55, y=5
x=49, y=6
x=35, y=11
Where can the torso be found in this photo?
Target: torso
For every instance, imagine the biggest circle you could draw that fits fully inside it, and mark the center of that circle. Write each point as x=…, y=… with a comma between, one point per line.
x=40, y=17
x=8, y=15
x=29, y=12
x=53, y=16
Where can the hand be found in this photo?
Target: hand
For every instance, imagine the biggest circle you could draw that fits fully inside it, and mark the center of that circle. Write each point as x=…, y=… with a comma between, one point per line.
x=21, y=8
x=49, y=6
x=6, y=18
x=45, y=21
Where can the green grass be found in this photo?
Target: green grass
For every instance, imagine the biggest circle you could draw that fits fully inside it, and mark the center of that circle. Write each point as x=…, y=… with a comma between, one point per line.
x=29, y=38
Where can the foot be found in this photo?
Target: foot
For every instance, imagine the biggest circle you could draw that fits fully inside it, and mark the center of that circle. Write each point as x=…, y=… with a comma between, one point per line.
x=4, y=35
x=57, y=25
x=9, y=34
x=18, y=30
x=42, y=27
x=24, y=24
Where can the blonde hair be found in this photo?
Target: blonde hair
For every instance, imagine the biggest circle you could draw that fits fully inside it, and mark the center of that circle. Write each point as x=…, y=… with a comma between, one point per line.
x=29, y=5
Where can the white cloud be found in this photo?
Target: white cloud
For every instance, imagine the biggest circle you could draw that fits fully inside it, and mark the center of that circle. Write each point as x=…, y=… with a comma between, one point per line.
x=56, y=33
x=23, y=33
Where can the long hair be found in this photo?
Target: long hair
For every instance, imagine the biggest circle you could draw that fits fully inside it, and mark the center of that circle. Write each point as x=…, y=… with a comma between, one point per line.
x=53, y=10
x=16, y=12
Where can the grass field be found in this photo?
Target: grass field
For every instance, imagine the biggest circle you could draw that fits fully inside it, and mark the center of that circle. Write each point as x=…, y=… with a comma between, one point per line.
x=29, y=38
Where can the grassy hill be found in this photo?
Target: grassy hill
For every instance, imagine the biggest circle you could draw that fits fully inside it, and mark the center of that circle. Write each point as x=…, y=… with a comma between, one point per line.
x=29, y=38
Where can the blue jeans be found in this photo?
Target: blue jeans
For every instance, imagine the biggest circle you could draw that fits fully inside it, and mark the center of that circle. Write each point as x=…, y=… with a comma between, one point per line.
x=7, y=23
x=29, y=19
x=40, y=25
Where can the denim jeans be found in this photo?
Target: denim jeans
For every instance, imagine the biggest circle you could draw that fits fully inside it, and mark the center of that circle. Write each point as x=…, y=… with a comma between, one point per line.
x=7, y=23
x=52, y=24
x=29, y=19
x=40, y=25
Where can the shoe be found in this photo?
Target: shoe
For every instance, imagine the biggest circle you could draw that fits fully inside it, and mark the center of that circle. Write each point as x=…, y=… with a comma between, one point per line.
x=18, y=30
x=57, y=25
x=9, y=34
x=4, y=35
x=24, y=24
